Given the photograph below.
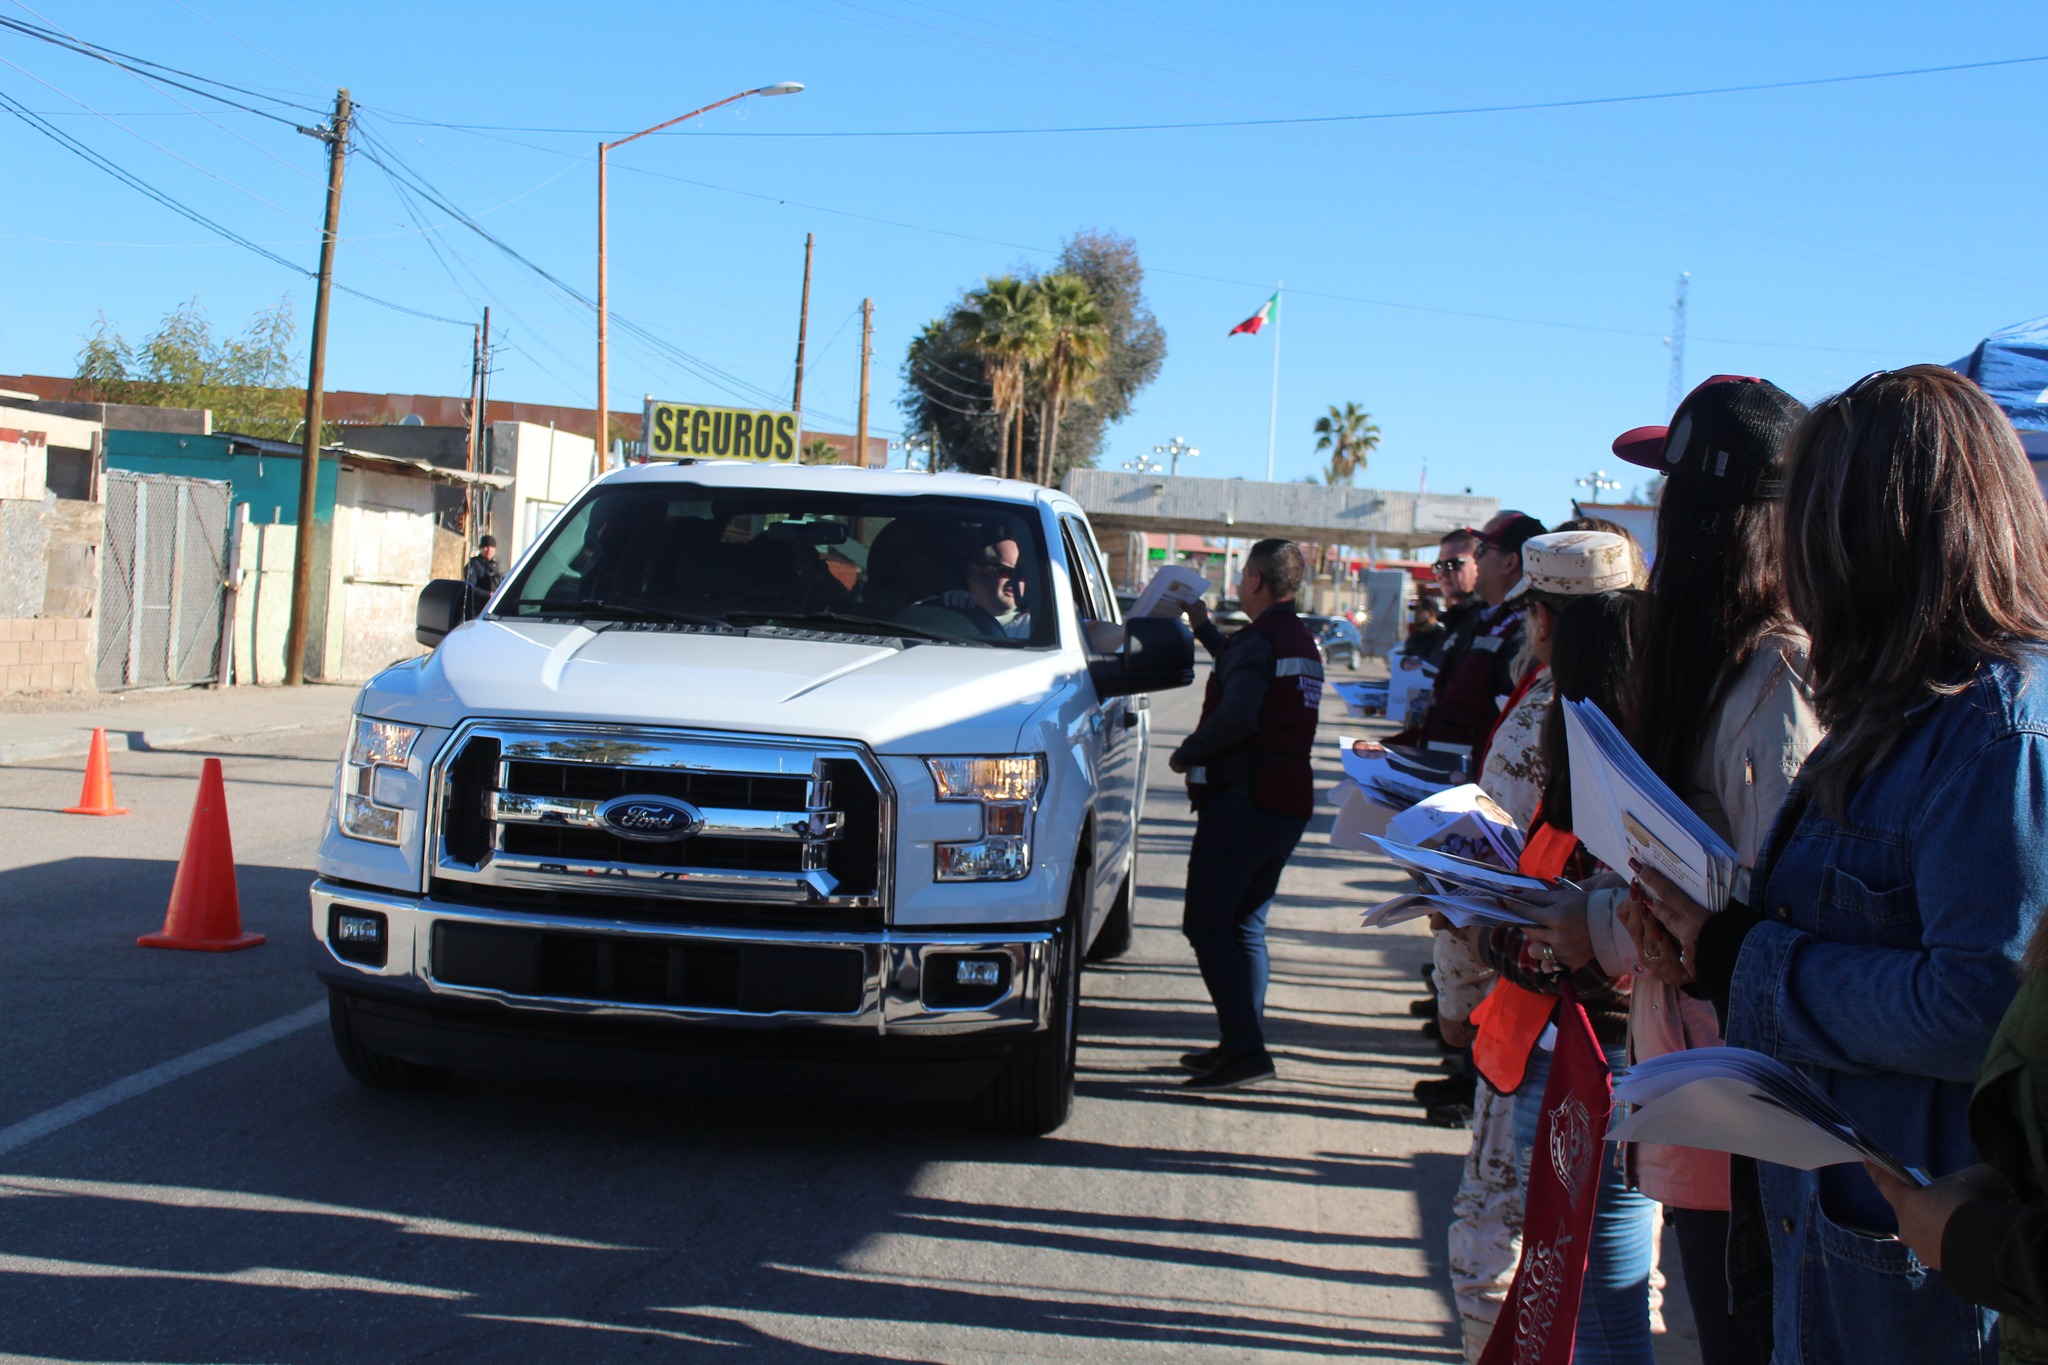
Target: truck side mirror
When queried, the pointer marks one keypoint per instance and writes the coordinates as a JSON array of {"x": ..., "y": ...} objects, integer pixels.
[
  {"x": 445, "y": 604},
  {"x": 1158, "y": 653}
]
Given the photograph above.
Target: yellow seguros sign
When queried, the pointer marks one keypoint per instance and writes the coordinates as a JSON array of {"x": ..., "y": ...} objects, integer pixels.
[{"x": 690, "y": 431}]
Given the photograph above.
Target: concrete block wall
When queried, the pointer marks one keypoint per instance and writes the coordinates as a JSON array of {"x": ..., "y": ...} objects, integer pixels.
[{"x": 42, "y": 654}]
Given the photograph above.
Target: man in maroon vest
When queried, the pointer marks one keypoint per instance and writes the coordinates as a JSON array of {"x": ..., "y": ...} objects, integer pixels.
[
  {"x": 1249, "y": 779},
  {"x": 1471, "y": 687}
]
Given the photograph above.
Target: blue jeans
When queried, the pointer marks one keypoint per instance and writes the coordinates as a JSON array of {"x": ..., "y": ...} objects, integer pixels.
[
  {"x": 1251, "y": 932},
  {"x": 1614, "y": 1309},
  {"x": 1234, "y": 867}
]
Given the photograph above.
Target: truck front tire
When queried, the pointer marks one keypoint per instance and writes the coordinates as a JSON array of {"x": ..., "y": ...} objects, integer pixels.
[
  {"x": 1113, "y": 940},
  {"x": 1034, "y": 1092},
  {"x": 376, "y": 1069}
]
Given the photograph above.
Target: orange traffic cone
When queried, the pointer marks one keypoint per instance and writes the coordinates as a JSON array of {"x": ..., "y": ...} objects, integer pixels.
[
  {"x": 97, "y": 796},
  {"x": 205, "y": 912}
]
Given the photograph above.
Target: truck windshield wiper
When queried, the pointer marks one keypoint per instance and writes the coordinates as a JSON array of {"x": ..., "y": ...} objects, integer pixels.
[
  {"x": 620, "y": 606},
  {"x": 841, "y": 618}
]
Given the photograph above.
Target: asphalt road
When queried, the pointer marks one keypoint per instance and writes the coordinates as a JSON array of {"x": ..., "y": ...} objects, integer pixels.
[{"x": 260, "y": 1206}]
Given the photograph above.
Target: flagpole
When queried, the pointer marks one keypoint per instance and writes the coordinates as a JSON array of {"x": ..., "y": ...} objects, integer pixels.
[{"x": 1273, "y": 420}]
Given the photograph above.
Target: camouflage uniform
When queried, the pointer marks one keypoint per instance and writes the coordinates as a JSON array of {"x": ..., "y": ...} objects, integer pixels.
[
  {"x": 1486, "y": 1214},
  {"x": 1486, "y": 1218}
]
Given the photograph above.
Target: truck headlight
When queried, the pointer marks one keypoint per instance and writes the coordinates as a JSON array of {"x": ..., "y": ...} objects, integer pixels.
[
  {"x": 378, "y": 784},
  {"x": 1006, "y": 788}
]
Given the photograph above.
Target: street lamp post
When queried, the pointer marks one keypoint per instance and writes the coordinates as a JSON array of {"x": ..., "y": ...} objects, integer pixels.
[
  {"x": 1173, "y": 451},
  {"x": 604, "y": 365},
  {"x": 1597, "y": 483}
]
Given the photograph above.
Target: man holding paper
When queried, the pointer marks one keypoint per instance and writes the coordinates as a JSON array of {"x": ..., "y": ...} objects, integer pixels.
[{"x": 1250, "y": 782}]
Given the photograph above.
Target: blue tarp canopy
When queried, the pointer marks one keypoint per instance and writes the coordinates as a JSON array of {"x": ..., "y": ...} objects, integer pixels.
[{"x": 2012, "y": 366}]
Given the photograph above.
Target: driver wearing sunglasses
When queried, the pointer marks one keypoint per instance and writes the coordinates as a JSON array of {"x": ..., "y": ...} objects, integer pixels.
[{"x": 995, "y": 591}]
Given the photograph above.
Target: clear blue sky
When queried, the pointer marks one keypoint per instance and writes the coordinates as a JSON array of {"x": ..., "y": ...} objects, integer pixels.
[{"x": 1828, "y": 230}]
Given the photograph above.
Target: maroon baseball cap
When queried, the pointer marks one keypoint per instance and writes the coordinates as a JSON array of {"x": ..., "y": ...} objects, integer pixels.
[
  {"x": 1726, "y": 434},
  {"x": 1512, "y": 533}
]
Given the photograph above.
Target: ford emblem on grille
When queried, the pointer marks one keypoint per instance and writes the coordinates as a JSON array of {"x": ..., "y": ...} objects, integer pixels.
[{"x": 651, "y": 819}]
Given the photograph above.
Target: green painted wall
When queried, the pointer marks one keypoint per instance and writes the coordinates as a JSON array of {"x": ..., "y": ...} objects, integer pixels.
[{"x": 268, "y": 483}]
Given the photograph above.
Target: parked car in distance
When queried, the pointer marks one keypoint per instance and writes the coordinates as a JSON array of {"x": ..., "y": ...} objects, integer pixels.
[{"x": 1338, "y": 639}]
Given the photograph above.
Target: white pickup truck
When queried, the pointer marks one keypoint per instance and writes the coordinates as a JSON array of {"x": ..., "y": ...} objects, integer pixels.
[{"x": 812, "y": 778}]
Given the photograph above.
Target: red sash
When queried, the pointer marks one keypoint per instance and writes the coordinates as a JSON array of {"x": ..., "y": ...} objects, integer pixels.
[{"x": 1540, "y": 1319}]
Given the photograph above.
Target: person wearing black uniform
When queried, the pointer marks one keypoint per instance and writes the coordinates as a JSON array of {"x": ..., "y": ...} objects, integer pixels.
[
  {"x": 1478, "y": 672},
  {"x": 1249, "y": 780},
  {"x": 1426, "y": 634},
  {"x": 1457, "y": 574},
  {"x": 482, "y": 573}
]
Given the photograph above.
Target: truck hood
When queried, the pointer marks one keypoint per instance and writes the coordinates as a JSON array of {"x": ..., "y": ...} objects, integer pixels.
[{"x": 927, "y": 698}]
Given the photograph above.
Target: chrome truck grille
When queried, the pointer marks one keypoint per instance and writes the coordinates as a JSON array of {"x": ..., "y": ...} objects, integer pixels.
[{"x": 669, "y": 825}]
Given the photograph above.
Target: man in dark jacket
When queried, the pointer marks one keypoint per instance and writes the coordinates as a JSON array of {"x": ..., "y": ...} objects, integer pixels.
[
  {"x": 1477, "y": 673},
  {"x": 1425, "y": 632},
  {"x": 1250, "y": 781},
  {"x": 1457, "y": 573},
  {"x": 481, "y": 573}
]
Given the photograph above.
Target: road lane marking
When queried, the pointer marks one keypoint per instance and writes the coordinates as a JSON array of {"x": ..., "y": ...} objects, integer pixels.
[
  {"x": 142, "y": 1082},
  {"x": 238, "y": 1201}
]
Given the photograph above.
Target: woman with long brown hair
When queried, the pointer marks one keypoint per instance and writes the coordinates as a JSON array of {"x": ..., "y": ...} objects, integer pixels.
[
  {"x": 1720, "y": 709},
  {"x": 1881, "y": 939}
]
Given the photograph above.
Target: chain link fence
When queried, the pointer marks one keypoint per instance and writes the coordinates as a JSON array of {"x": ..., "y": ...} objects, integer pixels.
[{"x": 162, "y": 581}]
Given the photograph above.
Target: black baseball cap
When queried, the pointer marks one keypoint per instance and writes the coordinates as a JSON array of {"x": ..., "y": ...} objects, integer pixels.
[
  {"x": 1727, "y": 434},
  {"x": 487, "y": 543},
  {"x": 1511, "y": 534}
]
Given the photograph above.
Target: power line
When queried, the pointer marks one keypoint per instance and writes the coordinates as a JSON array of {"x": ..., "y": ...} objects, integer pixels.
[
  {"x": 1533, "y": 106},
  {"x": 383, "y": 155},
  {"x": 130, "y": 63},
  {"x": 185, "y": 211},
  {"x": 1222, "y": 279}
]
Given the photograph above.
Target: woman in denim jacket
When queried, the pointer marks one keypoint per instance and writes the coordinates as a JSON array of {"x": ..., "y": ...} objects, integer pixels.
[{"x": 1901, "y": 880}]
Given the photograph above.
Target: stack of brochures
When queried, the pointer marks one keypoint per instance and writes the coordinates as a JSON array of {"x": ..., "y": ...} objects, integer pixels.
[
  {"x": 1378, "y": 786},
  {"x": 1363, "y": 698},
  {"x": 1463, "y": 821},
  {"x": 1395, "y": 776},
  {"x": 1622, "y": 811},
  {"x": 1461, "y": 911},
  {"x": 1729, "y": 1099},
  {"x": 1464, "y": 890},
  {"x": 1410, "y": 684}
]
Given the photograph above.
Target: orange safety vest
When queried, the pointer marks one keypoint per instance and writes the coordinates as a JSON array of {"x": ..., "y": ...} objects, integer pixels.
[{"x": 1511, "y": 1018}]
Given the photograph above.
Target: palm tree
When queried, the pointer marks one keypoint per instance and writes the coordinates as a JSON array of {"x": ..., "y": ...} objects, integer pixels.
[
  {"x": 1077, "y": 341},
  {"x": 1349, "y": 435},
  {"x": 1005, "y": 324}
]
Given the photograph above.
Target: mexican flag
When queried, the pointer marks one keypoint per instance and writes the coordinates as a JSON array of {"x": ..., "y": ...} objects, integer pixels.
[{"x": 1259, "y": 319}]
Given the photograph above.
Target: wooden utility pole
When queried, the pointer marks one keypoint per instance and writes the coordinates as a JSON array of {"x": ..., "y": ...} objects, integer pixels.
[
  {"x": 867, "y": 351},
  {"x": 476, "y": 379},
  {"x": 803, "y": 325},
  {"x": 604, "y": 355},
  {"x": 479, "y": 381},
  {"x": 335, "y": 135}
]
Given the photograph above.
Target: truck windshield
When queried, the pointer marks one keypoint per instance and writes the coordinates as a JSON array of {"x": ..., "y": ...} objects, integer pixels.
[{"x": 932, "y": 568}]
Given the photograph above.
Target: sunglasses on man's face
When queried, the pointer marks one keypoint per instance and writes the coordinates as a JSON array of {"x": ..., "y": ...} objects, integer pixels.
[{"x": 1451, "y": 565}]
